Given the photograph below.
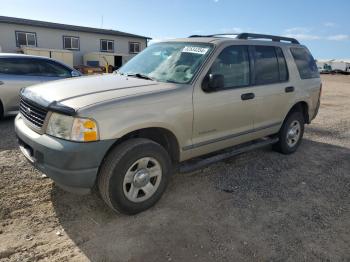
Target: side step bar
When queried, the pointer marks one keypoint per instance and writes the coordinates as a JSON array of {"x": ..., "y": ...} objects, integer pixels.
[{"x": 200, "y": 162}]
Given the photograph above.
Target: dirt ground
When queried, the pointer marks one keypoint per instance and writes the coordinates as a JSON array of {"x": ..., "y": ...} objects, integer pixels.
[{"x": 259, "y": 206}]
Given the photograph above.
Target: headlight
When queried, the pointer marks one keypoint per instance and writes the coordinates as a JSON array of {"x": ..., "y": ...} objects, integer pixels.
[{"x": 72, "y": 128}]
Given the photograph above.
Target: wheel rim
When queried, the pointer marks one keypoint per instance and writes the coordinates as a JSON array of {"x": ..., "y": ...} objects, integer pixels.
[
  {"x": 293, "y": 133},
  {"x": 142, "y": 179}
]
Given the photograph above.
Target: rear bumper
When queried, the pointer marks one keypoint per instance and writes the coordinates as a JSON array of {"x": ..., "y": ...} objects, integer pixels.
[{"x": 72, "y": 165}]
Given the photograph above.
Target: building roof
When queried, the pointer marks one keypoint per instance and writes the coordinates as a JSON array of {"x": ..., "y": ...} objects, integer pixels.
[{"x": 21, "y": 21}]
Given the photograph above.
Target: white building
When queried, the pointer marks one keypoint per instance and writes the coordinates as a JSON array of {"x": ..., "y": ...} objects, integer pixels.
[{"x": 46, "y": 38}]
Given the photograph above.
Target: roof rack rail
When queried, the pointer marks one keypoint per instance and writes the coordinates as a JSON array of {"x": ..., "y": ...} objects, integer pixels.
[
  {"x": 272, "y": 37},
  {"x": 247, "y": 36},
  {"x": 226, "y": 34}
]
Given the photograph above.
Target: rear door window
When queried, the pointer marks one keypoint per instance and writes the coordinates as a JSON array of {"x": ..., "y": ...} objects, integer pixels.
[
  {"x": 52, "y": 69},
  {"x": 282, "y": 65},
  {"x": 305, "y": 63},
  {"x": 266, "y": 65}
]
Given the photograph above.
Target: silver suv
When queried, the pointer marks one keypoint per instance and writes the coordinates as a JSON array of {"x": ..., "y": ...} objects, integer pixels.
[
  {"x": 177, "y": 100},
  {"x": 18, "y": 71}
]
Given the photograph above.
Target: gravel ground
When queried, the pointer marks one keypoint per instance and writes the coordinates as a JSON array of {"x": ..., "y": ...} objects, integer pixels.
[{"x": 259, "y": 206}]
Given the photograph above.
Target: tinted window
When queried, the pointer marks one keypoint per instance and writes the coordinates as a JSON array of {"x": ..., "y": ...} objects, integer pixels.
[
  {"x": 52, "y": 69},
  {"x": 305, "y": 62},
  {"x": 18, "y": 66},
  {"x": 266, "y": 65},
  {"x": 32, "y": 67},
  {"x": 233, "y": 64},
  {"x": 282, "y": 65}
]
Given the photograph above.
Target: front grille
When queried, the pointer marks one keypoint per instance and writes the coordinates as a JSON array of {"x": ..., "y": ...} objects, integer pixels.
[{"x": 32, "y": 113}]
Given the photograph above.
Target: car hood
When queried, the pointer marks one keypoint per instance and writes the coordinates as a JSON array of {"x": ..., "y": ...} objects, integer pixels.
[{"x": 80, "y": 92}]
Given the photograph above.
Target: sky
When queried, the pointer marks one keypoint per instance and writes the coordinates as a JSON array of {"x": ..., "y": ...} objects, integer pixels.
[{"x": 322, "y": 25}]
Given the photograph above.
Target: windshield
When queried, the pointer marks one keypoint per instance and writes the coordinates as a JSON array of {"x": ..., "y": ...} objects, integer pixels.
[{"x": 168, "y": 62}]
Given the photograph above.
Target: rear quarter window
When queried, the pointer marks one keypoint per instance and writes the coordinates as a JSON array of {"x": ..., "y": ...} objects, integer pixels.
[{"x": 305, "y": 63}]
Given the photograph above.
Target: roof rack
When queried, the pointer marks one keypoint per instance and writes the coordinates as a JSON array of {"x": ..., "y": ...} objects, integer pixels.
[
  {"x": 226, "y": 34},
  {"x": 253, "y": 36},
  {"x": 272, "y": 37}
]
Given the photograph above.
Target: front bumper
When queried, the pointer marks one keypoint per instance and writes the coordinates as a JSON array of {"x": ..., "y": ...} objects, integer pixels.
[{"x": 72, "y": 165}]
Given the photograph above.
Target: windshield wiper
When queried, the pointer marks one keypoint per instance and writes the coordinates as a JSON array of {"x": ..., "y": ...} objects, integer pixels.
[{"x": 143, "y": 76}]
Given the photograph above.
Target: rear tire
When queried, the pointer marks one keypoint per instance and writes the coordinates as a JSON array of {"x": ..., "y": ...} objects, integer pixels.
[
  {"x": 291, "y": 133},
  {"x": 134, "y": 175}
]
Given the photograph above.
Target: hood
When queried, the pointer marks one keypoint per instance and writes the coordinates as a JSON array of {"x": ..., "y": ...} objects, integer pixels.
[{"x": 84, "y": 91}]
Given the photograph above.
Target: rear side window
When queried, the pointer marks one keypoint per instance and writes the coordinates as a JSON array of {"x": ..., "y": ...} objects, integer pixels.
[
  {"x": 282, "y": 65},
  {"x": 52, "y": 69},
  {"x": 305, "y": 63},
  {"x": 266, "y": 65}
]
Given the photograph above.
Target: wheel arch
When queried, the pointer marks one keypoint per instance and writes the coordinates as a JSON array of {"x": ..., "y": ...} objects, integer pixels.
[
  {"x": 302, "y": 107},
  {"x": 160, "y": 135}
]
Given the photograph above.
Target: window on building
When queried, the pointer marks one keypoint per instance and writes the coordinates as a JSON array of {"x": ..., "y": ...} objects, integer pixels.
[
  {"x": 134, "y": 47},
  {"x": 25, "y": 38},
  {"x": 233, "y": 64},
  {"x": 71, "y": 42},
  {"x": 305, "y": 62},
  {"x": 107, "y": 45}
]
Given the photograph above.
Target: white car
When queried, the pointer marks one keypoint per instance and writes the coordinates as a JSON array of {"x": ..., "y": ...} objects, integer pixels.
[{"x": 18, "y": 71}]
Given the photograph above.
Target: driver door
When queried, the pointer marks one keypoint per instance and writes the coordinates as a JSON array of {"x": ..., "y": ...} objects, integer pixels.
[{"x": 223, "y": 117}]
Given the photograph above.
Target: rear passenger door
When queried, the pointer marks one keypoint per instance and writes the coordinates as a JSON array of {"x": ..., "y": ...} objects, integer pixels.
[{"x": 274, "y": 93}]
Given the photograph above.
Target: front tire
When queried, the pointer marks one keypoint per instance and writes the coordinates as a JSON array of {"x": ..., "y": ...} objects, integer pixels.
[
  {"x": 134, "y": 175},
  {"x": 291, "y": 133}
]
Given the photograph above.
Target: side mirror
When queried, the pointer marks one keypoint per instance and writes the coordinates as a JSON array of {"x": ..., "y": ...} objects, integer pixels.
[
  {"x": 212, "y": 82},
  {"x": 75, "y": 74}
]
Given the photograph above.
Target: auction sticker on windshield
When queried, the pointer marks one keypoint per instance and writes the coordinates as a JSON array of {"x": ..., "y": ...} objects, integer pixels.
[{"x": 195, "y": 50}]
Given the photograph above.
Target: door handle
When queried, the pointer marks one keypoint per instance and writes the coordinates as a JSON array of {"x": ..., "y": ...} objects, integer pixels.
[
  {"x": 247, "y": 96},
  {"x": 289, "y": 89},
  {"x": 1, "y": 83}
]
